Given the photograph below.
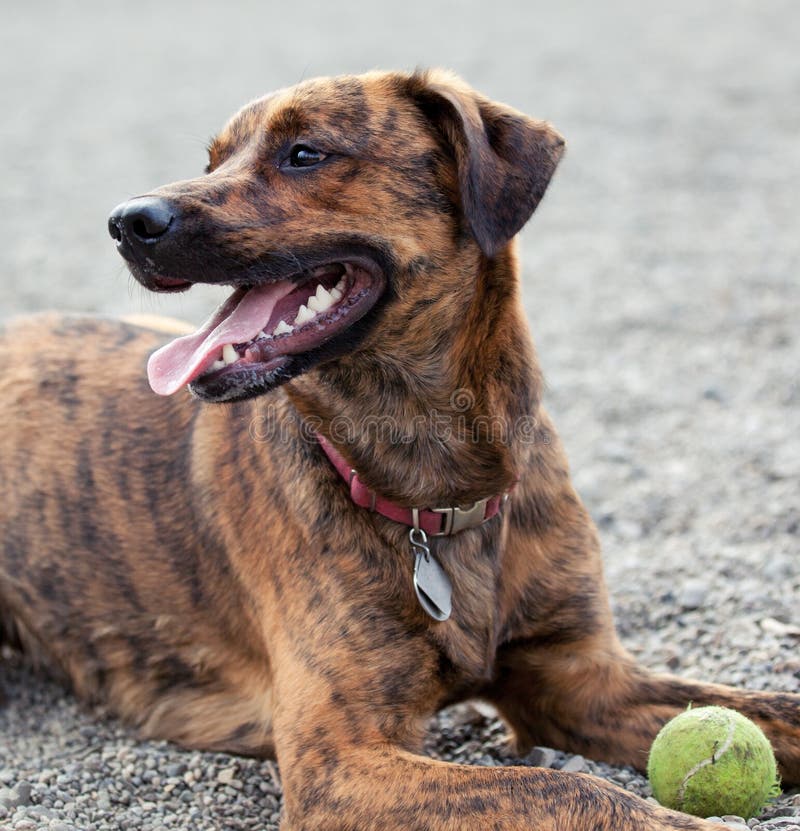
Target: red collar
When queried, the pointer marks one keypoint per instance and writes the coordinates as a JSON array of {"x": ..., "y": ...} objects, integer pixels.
[{"x": 437, "y": 522}]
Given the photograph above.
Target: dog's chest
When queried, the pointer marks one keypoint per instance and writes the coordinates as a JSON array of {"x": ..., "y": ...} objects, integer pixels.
[{"x": 468, "y": 641}]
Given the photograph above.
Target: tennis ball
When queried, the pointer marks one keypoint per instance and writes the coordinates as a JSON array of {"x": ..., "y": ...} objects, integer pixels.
[{"x": 711, "y": 761}]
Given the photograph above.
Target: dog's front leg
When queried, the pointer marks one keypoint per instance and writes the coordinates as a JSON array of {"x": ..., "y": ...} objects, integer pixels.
[
  {"x": 348, "y": 711},
  {"x": 564, "y": 680},
  {"x": 590, "y": 697}
]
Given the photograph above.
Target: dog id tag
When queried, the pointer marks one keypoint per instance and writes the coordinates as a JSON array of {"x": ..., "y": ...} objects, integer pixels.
[{"x": 431, "y": 584}]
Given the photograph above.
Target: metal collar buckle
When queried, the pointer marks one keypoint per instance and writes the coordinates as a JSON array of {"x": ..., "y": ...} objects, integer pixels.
[{"x": 459, "y": 519}]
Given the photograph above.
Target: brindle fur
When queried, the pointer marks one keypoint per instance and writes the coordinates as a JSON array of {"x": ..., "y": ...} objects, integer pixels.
[{"x": 201, "y": 568}]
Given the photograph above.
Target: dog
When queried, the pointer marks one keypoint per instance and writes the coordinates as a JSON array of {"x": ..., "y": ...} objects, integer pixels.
[{"x": 347, "y": 507}]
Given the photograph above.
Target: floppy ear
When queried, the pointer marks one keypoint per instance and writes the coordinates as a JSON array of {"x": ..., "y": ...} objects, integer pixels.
[{"x": 504, "y": 159}]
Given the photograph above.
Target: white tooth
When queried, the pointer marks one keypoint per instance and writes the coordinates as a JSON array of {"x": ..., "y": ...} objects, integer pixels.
[
  {"x": 320, "y": 301},
  {"x": 261, "y": 334},
  {"x": 229, "y": 354},
  {"x": 340, "y": 286},
  {"x": 217, "y": 365},
  {"x": 336, "y": 294},
  {"x": 283, "y": 328},
  {"x": 304, "y": 314},
  {"x": 316, "y": 305}
]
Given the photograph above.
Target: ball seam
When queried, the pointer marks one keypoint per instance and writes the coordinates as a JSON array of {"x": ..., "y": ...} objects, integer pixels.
[{"x": 712, "y": 759}]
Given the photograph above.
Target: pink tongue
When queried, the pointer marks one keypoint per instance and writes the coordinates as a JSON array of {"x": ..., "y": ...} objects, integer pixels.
[{"x": 238, "y": 320}]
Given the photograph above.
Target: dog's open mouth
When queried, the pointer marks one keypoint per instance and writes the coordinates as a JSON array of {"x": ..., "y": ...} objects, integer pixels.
[{"x": 244, "y": 345}]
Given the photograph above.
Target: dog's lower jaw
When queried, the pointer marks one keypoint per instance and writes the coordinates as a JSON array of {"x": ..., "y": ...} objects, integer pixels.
[{"x": 250, "y": 383}]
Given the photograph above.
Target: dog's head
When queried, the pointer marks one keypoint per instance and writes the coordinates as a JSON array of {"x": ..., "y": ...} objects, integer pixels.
[{"x": 322, "y": 205}]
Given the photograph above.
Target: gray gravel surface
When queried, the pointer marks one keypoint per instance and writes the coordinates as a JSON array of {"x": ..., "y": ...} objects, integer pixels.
[{"x": 661, "y": 278}]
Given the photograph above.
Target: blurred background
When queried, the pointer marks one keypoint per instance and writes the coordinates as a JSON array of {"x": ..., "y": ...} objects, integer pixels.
[
  {"x": 661, "y": 276},
  {"x": 682, "y": 121}
]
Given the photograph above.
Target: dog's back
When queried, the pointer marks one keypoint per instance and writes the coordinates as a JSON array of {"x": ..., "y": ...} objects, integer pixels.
[
  {"x": 101, "y": 577},
  {"x": 73, "y": 470}
]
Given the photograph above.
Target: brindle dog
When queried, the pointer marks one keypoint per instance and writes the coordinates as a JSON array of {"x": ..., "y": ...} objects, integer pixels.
[{"x": 202, "y": 568}]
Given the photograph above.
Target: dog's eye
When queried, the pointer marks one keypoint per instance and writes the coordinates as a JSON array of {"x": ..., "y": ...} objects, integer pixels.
[{"x": 302, "y": 155}]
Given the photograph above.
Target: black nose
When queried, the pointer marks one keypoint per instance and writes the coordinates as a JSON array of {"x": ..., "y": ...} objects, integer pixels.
[{"x": 141, "y": 221}]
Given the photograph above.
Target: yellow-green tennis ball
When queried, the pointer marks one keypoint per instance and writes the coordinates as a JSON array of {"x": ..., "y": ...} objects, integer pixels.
[{"x": 711, "y": 761}]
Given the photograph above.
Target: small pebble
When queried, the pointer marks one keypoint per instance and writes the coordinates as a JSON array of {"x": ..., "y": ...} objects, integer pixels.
[
  {"x": 692, "y": 595},
  {"x": 541, "y": 757},
  {"x": 575, "y": 764}
]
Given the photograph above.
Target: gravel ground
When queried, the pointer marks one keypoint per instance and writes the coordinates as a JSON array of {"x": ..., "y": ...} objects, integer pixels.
[{"x": 661, "y": 279}]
